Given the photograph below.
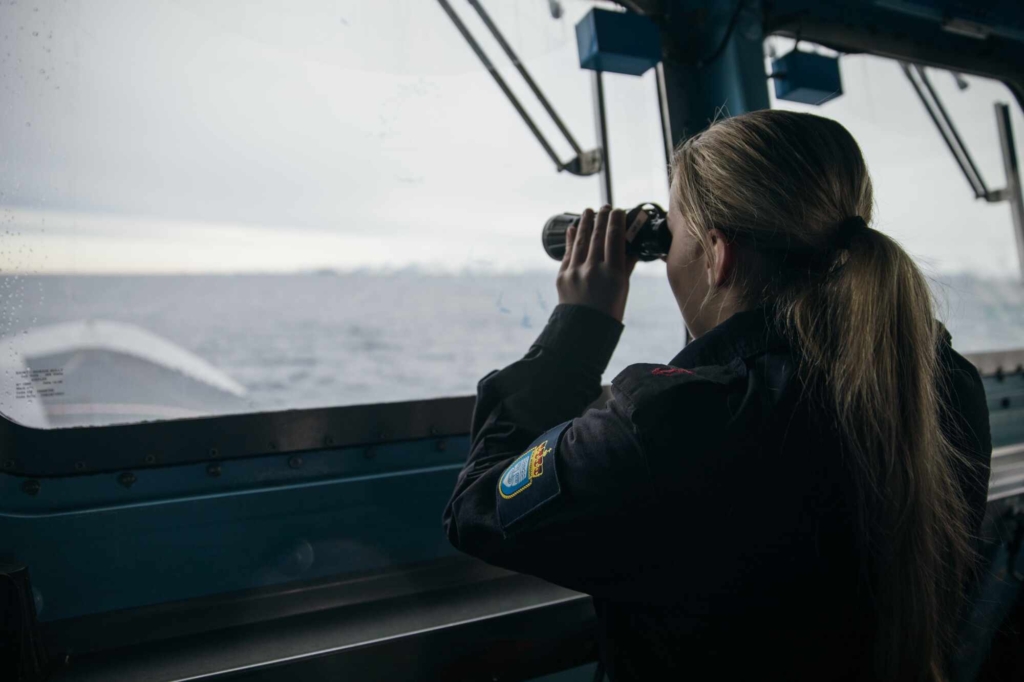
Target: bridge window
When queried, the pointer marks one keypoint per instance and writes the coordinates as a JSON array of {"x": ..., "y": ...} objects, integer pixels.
[
  {"x": 209, "y": 208},
  {"x": 965, "y": 246},
  {"x": 205, "y": 210}
]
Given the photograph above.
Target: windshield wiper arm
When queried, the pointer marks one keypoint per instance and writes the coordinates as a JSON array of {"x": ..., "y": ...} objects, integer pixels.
[
  {"x": 585, "y": 162},
  {"x": 948, "y": 131}
]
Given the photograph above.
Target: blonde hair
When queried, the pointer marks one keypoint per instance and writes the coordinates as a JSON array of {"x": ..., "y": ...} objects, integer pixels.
[{"x": 780, "y": 185}]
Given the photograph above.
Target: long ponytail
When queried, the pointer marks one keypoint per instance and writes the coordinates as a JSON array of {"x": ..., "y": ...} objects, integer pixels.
[
  {"x": 782, "y": 184},
  {"x": 868, "y": 331}
]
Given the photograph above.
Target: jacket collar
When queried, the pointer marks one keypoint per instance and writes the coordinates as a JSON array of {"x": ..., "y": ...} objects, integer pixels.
[{"x": 743, "y": 335}]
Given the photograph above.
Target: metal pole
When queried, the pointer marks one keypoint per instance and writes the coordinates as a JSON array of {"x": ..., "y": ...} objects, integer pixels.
[
  {"x": 1013, "y": 186},
  {"x": 666, "y": 124},
  {"x": 500, "y": 81},
  {"x": 952, "y": 129},
  {"x": 601, "y": 127},
  {"x": 667, "y": 139},
  {"x": 526, "y": 76}
]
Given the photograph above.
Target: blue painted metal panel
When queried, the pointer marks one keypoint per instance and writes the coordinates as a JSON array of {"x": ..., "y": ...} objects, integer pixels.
[
  {"x": 617, "y": 42},
  {"x": 1005, "y": 395},
  {"x": 93, "y": 545},
  {"x": 730, "y": 79},
  {"x": 807, "y": 77},
  {"x": 999, "y": 18}
]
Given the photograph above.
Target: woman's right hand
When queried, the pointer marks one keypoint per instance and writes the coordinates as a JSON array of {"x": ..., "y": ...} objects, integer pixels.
[{"x": 595, "y": 270}]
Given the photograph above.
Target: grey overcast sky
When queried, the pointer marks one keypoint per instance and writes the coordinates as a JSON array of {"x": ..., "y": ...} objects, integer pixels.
[{"x": 193, "y": 136}]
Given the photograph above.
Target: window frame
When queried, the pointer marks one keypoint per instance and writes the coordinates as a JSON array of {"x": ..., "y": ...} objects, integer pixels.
[
  {"x": 35, "y": 453},
  {"x": 42, "y": 453},
  {"x": 896, "y": 35}
]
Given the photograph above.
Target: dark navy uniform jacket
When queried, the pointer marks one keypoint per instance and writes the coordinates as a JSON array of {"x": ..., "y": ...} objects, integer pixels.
[{"x": 706, "y": 508}]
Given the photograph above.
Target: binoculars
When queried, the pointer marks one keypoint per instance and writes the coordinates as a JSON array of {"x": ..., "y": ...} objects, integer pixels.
[{"x": 647, "y": 234}]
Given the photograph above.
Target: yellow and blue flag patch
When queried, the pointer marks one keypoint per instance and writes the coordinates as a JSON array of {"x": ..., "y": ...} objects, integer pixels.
[
  {"x": 520, "y": 474},
  {"x": 531, "y": 480}
]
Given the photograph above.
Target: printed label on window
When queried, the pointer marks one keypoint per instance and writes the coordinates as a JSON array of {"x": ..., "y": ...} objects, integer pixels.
[{"x": 39, "y": 383}]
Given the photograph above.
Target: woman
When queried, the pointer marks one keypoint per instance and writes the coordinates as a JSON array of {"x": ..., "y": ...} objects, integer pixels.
[{"x": 794, "y": 495}]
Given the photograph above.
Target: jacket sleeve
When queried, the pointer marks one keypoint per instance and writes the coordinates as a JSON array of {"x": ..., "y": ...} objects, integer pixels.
[{"x": 547, "y": 490}]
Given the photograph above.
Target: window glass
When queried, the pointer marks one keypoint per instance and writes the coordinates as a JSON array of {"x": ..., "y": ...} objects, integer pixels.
[
  {"x": 965, "y": 245},
  {"x": 217, "y": 207},
  {"x": 221, "y": 207}
]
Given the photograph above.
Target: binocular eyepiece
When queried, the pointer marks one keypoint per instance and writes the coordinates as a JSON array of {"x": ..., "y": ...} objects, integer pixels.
[{"x": 647, "y": 234}]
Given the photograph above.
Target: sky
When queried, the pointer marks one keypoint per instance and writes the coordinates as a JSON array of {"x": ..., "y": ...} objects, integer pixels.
[{"x": 173, "y": 136}]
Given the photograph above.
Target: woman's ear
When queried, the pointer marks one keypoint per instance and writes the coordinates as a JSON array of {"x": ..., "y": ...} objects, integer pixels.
[{"x": 723, "y": 259}]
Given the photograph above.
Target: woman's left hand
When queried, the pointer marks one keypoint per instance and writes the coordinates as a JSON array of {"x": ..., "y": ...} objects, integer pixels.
[{"x": 595, "y": 269}]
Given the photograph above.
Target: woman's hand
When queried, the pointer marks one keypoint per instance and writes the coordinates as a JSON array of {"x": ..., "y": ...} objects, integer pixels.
[{"x": 595, "y": 269}]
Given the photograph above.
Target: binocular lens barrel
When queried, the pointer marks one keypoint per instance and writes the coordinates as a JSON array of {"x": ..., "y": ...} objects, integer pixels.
[
  {"x": 647, "y": 234},
  {"x": 553, "y": 235}
]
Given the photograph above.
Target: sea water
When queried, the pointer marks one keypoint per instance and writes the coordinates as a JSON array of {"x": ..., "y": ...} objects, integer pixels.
[{"x": 328, "y": 339}]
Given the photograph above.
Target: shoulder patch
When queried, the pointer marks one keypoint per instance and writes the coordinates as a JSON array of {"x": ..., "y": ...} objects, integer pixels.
[{"x": 531, "y": 480}]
